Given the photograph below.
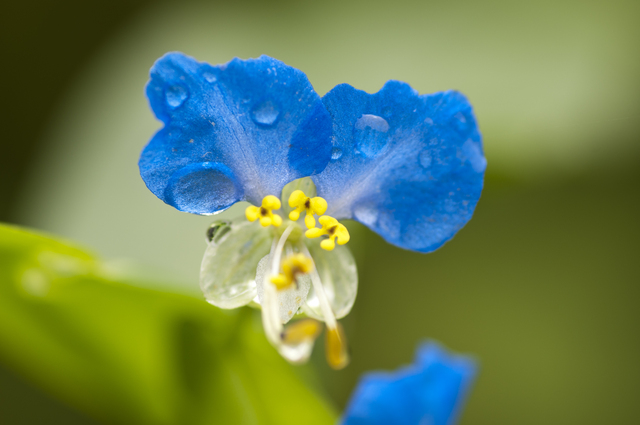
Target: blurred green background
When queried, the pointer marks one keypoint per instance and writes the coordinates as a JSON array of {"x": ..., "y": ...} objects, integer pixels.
[{"x": 542, "y": 285}]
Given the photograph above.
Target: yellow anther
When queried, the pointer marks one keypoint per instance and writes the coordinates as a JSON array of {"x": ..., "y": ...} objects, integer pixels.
[
  {"x": 292, "y": 266},
  {"x": 332, "y": 228},
  {"x": 300, "y": 331},
  {"x": 336, "y": 348},
  {"x": 264, "y": 213},
  {"x": 302, "y": 202}
]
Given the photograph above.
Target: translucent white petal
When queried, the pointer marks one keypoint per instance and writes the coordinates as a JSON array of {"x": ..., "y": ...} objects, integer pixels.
[
  {"x": 298, "y": 353},
  {"x": 290, "y": 299},
  {"x": 227, "y": 274},
  {"x": 270, "y": 320},
  {"x": 339, "y": 275}
]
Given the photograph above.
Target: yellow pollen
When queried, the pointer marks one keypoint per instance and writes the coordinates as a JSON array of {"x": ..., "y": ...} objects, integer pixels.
[
  {"x": 332, "y": 228},
  {"x": 264, "y": 213},
  {"x": 336, "y": 348},
  {"x": 292, "y": 266},
  {"x": 311, "y": 206},
  {"x": 301, "y": 330}
]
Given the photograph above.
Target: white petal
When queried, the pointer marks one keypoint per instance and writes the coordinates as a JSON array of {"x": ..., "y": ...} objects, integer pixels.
[
  {"x": 290, "y": 299},
  {"x": 227, "y": 274},
  {"x": 339, "y": 276}
]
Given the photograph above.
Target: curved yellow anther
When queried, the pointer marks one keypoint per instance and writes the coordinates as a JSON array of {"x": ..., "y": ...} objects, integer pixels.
[
  {"x": 292, "y": 266},
  {"x": 332, "y": 228},
  {"x": 264, "y": 213},
  {"x": 336, "y": 349},
  {"x": 301, "y": 330},
  {"x": 302, "y": 202}
]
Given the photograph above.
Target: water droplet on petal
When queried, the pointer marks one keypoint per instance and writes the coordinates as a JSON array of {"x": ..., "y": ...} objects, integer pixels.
[
  {"x": 176, "y": 95},
  {"x": 370, "y": 134},
  {"x": 203, "y": 188},
  {"x": 336, "y": 154},
  {"x": 209, "y": 77},
  {"x": 425, "y": 159},
  {"x": 374, "y": 122},
  {"x": 265, "y": 113}
]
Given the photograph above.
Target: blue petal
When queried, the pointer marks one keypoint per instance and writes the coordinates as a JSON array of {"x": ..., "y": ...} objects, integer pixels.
[
  {"x": 431, "y": 391},
  {"x": 409, "y": 167},
  {"x": 238, "y": 131}
]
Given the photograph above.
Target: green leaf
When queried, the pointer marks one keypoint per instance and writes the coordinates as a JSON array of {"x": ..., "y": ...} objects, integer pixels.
[{"x": 124, "y": 354}]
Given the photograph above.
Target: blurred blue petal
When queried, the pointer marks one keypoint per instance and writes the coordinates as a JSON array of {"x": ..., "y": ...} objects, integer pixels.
[
  {"x": 409, "y": 167},
  {"x": 431, "y": 391},
  {"x": 238, "y": 131}
]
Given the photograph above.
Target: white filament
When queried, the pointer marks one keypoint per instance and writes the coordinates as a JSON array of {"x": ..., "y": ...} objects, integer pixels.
[
  {"x": 275, "y": 257},
  {"x": 270, "y": 314},
  {"x": 325, "y": 306}
]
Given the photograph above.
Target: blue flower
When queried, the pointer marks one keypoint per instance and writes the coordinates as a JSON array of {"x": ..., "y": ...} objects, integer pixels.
[
  {"x": 409, "y": 167},
  {"x": 431, "y": 391},
  {"x": 233, "y": 132}
]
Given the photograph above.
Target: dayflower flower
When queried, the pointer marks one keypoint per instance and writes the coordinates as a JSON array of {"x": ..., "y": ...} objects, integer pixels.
[
  {"x": 409, "y": 167},
  {"x": 431, "y": 391}
]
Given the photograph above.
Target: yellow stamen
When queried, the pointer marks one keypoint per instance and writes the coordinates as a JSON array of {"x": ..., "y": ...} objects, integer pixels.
[
  {"x": 302, "y": 202},
  {"x": 264, "y": 213},
  {"x": 292, "y": 266},
  {"x": 332, "y": 228},
  {"x": 336, "y": 348},
  {"x": 301, "y": 330}
]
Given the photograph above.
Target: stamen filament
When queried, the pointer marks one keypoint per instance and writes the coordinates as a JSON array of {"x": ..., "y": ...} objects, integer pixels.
[
  {"x": 270, "y": 318},
  {"x": 336, "y": 342},
  {"x": 325, "y": 306},
  {"x": 277, "y": 255}
]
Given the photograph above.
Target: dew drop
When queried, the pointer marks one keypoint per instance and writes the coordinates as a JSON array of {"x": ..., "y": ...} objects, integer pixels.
[
  {"x": 370, "y": 134},
  {"x": 209, "y": 77},
  {"x": 425, "y": 159},
  {"x": 176, "y": 95},
  {"x": 336, "y": 154},
  {"x": 373, "y": 121},
  {"x": 265, "y": 113},
  {"x": 203, "y": 188}
]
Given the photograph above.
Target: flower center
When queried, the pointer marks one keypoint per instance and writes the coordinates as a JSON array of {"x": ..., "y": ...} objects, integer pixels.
[{"x": 295, "y": 340}]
